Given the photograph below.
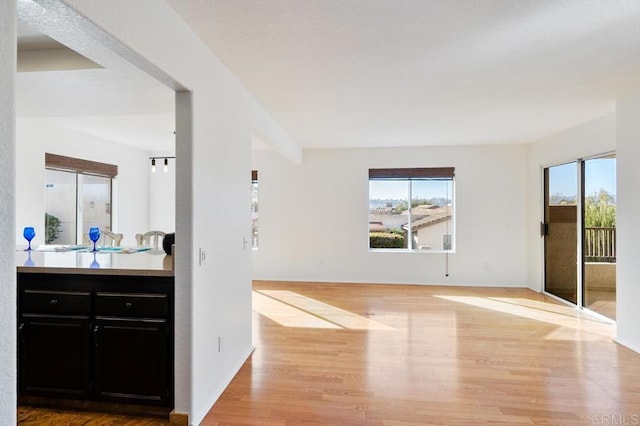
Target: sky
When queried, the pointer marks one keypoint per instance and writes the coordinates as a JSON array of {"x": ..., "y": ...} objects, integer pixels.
[
  {"x": 600, "y": 173},
  {"x": 399, "y": 189}
]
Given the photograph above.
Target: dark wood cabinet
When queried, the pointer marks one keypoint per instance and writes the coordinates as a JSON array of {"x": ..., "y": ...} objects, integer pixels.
[
  {"x": 131, "y": 359},
  {"x": 54, "y": 342},
  {"x": 101, "y": 338},
  {"x": 131, "y": 344},
  {"x": 54, "y": 355}
]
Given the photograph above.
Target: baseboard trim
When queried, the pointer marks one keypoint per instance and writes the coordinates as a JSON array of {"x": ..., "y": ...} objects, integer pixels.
[
  {"x": 627, "y": 345},
  {"x": 197, "y": 419},
  {"x": 178, "y": 419}
]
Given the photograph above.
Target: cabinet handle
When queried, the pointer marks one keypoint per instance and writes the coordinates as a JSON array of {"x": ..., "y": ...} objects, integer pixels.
[
  {"x": 53, "y": 302},
  {"x": 128, "y": 305},
  {"x": 95, "y": 336},
  {"x": 21, "y": 333}
]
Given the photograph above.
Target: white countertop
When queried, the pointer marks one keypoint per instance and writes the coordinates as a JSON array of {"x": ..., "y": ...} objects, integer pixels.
[{"x": 144, "y": 263}]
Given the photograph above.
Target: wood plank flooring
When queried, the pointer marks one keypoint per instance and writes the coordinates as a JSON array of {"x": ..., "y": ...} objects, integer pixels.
[
  {"x": 37, "y": 416},
  {"x": 602, "y": 302},
  {"x": 345, "y": 354}
]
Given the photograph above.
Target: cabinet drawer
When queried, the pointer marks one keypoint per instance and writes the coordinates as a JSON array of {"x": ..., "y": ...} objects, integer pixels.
[
  {"x": 132, "y": 305},
  {"x": 56, "y": 302}
]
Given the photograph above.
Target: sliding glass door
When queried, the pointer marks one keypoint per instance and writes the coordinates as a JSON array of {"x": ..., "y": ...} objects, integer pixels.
[
  {"x": 599, "y": 238},
  {"x": 579, "y": 232},
  {"x": 60, "y": 207},
  {"x": 75, "y": 202},
  {"x": 561, "y": 231},
  {"x": 95, "y": 198}
]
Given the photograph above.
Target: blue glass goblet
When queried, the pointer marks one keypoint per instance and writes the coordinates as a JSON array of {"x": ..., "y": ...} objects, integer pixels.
[
  {"x": 29, "y": 234},
  {"x": 94, "y": 235}
]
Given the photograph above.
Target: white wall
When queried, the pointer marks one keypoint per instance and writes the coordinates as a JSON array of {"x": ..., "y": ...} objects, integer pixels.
[
  {"x": 131, "y": 187},
  {"x": 313, "y": 217},
  {"x": 162, "y": 197},
  {"x": 213, "y": 136},
  {"x": 8, "y": 397},
  {"x": 628, "y": 214},
  {"x": 589, "y": 139}
]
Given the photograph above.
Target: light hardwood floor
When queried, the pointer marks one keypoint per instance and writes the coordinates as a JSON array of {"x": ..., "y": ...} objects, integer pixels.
[
  {"x": 333, "y": 354},
  {"x": 352, "y": 354},
  {"x": 602, "y": 302}
]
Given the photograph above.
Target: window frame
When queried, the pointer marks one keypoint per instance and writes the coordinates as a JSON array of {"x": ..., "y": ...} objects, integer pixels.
[
  {"x": 80, "y": 168},
  {"x": 411, "y": 175}
]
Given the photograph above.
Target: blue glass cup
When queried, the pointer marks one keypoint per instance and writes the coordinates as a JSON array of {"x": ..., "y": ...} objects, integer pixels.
[
  {"x": 94, "y": 235},
  {"x": 29, "y": 234}
]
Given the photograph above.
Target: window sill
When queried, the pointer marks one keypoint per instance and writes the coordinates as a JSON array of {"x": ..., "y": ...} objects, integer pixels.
[{"x": 424, "y": 251}]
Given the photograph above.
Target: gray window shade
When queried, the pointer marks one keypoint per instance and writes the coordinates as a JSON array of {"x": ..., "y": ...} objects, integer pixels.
[{"x": 413, "y": 173}]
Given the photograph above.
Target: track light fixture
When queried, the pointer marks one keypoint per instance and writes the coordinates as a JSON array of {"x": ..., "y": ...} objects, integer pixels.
[{"x": 165, "y": 163}]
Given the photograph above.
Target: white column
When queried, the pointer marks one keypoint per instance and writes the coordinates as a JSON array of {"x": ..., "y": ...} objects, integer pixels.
[
  {"x": 7, "y": 212},
  {"x": 628, "y": 212},
  {"x": 184, "y": 254}
]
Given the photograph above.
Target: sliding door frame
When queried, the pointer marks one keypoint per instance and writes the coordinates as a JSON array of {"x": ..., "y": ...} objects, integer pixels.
[{"x": 580, "y": 263}]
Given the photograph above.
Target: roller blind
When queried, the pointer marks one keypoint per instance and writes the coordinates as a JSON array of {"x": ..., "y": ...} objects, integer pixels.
[
  {"x": 413, "y": 173},
  {"x": 60, "y": 162}
]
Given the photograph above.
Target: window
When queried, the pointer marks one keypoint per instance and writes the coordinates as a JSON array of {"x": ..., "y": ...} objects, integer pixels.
[
  {"x": 254, "y": 209},
  {"x": 77, "y": 197},
  {"x": 412, "y": 209}
]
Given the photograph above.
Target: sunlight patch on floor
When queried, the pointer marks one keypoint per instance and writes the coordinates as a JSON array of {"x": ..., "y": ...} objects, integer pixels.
[
  {"x": 291, "y": 309},
  {"x": 576, "y": 325},
  {"x": 286, "y": 315}
]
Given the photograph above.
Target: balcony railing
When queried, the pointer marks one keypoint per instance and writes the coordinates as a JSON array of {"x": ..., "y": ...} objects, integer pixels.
[{"x": 600, "y": 244}]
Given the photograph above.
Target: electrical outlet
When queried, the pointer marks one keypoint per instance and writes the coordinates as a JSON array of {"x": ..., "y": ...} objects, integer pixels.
[{"x": 202, "y": 256}]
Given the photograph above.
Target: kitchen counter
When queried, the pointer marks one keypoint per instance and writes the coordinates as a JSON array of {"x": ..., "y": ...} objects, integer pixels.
[
  {"x": 95, "y": 330},
  {"x": 144, "y": 263}
]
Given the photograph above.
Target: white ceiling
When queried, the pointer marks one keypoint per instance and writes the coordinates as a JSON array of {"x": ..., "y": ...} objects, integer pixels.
[
  {"x": 377, "y": 73},
  {"x": 115, "y": 105},
  {"x": 30, "y": 38},
  {"x": 361, "y": 73}
]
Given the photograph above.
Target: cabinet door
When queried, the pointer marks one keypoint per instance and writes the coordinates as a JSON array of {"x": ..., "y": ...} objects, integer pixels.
[
  {"x": 54, "y": 355},
  {"x": 131, "y": 360}
]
